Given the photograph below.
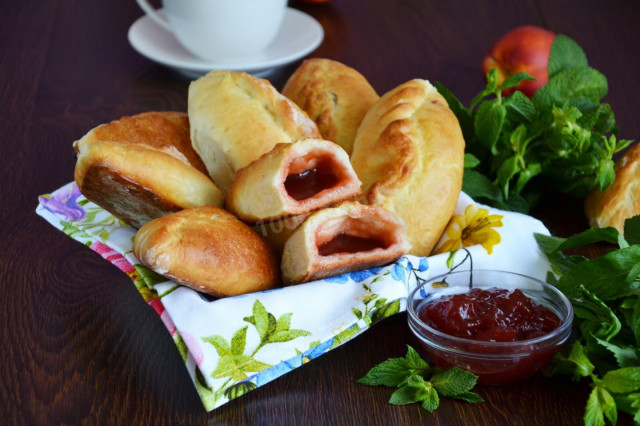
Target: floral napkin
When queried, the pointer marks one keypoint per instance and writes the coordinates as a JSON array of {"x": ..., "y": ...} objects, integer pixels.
[{"x": 233, "y": 345}]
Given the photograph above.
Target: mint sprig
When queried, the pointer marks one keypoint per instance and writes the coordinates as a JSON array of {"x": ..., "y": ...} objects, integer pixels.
[
  {"x": 563, "y": 137},
  {"x": 605, "y": 294},
  {"x": 418, "y": 382}
]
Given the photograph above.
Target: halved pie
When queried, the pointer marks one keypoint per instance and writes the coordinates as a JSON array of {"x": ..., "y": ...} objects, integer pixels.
[
  {"x": 293, "y": 179},
  {"x": 348, "y": 237}
]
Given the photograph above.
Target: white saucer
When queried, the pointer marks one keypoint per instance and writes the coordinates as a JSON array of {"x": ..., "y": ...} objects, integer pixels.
[{"x": 299, "y": 35}]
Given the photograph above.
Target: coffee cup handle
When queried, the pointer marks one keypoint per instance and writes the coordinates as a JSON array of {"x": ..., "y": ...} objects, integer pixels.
[{"x": 153, "y": 14}]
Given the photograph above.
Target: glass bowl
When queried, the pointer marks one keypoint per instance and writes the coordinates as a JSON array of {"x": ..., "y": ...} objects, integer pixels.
[{"x": 495, "y": 362}]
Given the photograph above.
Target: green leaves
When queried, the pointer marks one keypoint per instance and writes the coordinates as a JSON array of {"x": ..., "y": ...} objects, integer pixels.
[
  {"x": 395, "y": 371},
  {"x": 410, "y": 375},
  {"x": 565, "y": 54},
  {"x": 605, "y": 294},
  {"x": 454, "y": 382},
  {"x": 562, "y": 137},
  {"x": 488, "y": 124}
]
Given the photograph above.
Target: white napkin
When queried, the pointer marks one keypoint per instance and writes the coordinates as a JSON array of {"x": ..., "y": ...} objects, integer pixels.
[{"x": 233, "y": 345}]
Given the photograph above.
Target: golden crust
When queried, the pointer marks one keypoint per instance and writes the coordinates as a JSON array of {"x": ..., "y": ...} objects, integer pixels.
[
  {"x": 621, "y": 200},
  {"x": 142, "y": 167},
  {"x": 209, "y": 250},
  {"x": 304, "y": 259},
  {"x": 334, "y": 95},
  {"x": 409, "y": 155},
  {"x": 166, "y": 131},
  {"x": 261, "y": 190},
  {"x": 236, "y": 117}
]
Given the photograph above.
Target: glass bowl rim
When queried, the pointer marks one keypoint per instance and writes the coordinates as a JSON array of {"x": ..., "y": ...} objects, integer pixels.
[{"x": 561, "y": 330}]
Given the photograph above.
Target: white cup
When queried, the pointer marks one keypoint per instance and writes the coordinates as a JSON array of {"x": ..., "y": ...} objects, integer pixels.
[{"x": 221, "y": 30}]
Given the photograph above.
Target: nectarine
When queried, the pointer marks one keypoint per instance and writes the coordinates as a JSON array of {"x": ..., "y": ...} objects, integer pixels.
[{"x": 523, "y": 49}]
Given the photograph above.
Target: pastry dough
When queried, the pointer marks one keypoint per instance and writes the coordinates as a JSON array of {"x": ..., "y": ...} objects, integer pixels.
[
  {"x": 293, "y": 179},
  {"x": 142, "y": 167},
  {"x": 334, "y": 95},
  {"x": 236, "y": 117},
  {"x": 277, "y": 233},
  {"x": 409, "y": 155},
  {"x": 621, "y": 200},
  {"x": 349, "y": 237},
  {"x": 209, "y": 250}
]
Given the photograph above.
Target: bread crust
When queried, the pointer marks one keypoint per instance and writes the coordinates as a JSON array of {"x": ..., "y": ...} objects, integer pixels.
[
  {"x": 334, "y": 95},
  {"x": 409, "y": 155},
  {"x": 259, "y": 192},
  {"x": 209, "y": 250},
  {"x": 142, "y": 167},
  {"x": 301, "y": 257},
  {"x": 621, "y": 200},
  {"x": 236, "y": 117}
]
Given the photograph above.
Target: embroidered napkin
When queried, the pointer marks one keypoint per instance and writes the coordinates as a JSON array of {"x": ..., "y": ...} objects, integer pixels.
[{"x": 233, "y": 345}]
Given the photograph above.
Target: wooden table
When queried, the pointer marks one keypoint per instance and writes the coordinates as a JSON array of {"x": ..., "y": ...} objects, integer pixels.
[{"x": 79, "y": 345}]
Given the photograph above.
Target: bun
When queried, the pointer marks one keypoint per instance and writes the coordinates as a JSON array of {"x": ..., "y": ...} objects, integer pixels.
[
  {"x": 209, "y": 250},
  {"x": 236, "y": 118},
  {"x": 293, "y": 179},
  {"x": 277, "y": 233},
  {"x": 409, "y": 155},
  {"x": 142, "y": 167},
  {"x": 334, "y": 95},
  {"x": 621, "y": 200},
  {"x": 345, "y": 238}
]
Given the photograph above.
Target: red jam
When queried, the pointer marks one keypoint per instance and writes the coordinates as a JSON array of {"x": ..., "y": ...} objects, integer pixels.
[
  {"x": 309, "y": 182},
  {"x": 492, "y": 315},
  {"x": 345, "y": 243}
]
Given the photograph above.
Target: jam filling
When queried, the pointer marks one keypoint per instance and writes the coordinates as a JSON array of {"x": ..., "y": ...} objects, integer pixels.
[
  {"x": 345, "y": 243},
  {"x": 311, "y": 181},
  {"x": 496, "y": 315}
]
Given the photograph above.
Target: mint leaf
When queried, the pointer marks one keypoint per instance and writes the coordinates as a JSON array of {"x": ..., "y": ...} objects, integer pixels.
[
  {"x": 519, "y": 106},
  {"x": 463, "y": 114},
  {"x": 408, "y": 394},
  {"x": 415, "y": 361},
  {"x": 565, "y": 54},
  {"x": 454, "y": 381},
  {"x": 389, "y": 373},
  {"x": 572, "y": 83},
  {"x": 490, "y": 89},
  {"x": 630, "y": 308},
  {"x": 432, "y": 401},
  {"x": 629, "y": 403},
  {"x": 471, "y": 397},
  {"x": 623, "y": 380},
  {"x": 632, "y": 230},
  {"x": 470, "y": 161},
  {"x": 478, "y": 186},
  {"x": 594, "y": 235},
  {"x": 606, "y": 276},
  {"x": 488, "y": 123},
  {"x": 626, "y": 356},
  {"x": 608, "y": 405},
  {"x": 599, "y": 404},
  {"x": 396, "y": 371},
  {"x": 515, "y": 79},
  {"x": 583, "y": 367},
  {"x": 599, "y": 320}
]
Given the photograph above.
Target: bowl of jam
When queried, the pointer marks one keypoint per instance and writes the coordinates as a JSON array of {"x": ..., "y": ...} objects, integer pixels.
[{"x": 501, "y": 326}]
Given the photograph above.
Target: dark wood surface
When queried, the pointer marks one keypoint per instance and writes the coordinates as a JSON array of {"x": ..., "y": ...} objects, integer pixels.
[{"x": 79, "y": 345}]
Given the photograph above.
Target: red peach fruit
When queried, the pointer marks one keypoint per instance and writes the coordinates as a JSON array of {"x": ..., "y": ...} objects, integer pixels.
[{"x": 523, "y": 49}]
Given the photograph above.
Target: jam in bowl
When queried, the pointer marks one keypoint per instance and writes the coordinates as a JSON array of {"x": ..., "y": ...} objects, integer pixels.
[{"x": 501, "y": 326}]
